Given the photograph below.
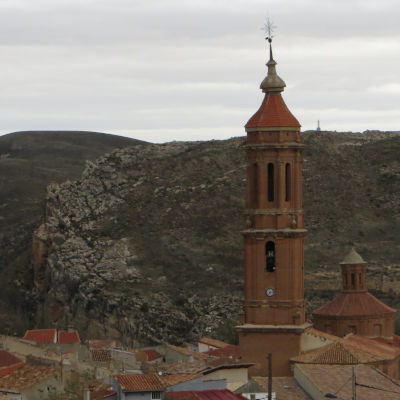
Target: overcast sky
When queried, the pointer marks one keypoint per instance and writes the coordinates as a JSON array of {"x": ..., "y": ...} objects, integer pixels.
[{"x": 163, "y": 70}]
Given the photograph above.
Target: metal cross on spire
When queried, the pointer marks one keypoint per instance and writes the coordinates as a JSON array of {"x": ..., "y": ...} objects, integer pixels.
[{"x": 269, "y": 28}]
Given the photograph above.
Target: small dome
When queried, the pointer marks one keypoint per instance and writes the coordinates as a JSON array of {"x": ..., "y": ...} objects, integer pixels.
[{"x": 353, "y": 258}]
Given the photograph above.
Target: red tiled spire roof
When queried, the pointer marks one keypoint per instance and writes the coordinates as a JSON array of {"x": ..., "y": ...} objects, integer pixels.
[
  {"x": 42, "y": 335},
  {"x": 354, "y": 304},
  {"x": 273, "y": 113}
]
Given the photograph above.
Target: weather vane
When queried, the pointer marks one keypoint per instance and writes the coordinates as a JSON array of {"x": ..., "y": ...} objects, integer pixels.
[{"x": 269, "y": 28}]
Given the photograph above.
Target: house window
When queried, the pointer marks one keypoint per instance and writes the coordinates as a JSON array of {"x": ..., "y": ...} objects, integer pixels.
[
  {"x": 156, "y": 395},
  {"x": 270, "y": 256},
  {"x": 271, "y": 184},
  {"x": 288, "y": 182},
  {"x": 353, "y": 280}
]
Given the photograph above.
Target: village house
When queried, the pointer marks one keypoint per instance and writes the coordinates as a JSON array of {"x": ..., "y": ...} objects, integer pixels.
[{"x": 31, "y": 382}]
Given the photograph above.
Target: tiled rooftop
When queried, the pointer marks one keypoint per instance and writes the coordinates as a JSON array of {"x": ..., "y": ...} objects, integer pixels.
[
  {"x": 224, "y": 394},
  {"x": 204, "y": 366},
  {"x": 341, "y": 352},
  {"x": 273, "y": 112},
  {"x": 42, "y": 335},
  {"x": 100, "y": 393},
  {"x": 7, "y": 359},
  {"x": 100, "y": 355},
  {"x": 174, "y": 379},
  {"x": 136, "y": 382},
  {"x": 372, "y": 384},
  {"x": 213, "y": 342},
  {"x": 25, "y": 377},
  {"x": 186, "y": 367},
  {"x": 151, "y": 354},
  {"x": 322, "y": 335},
  {"x": 183, "y": 350},
  {"x": 354, "y": 304},
  {"x": 385, "y": 349},
  {"x": 285, "y": 388},
  {"x": 227, "y": 351},
  {"x": 68, "y": 337},
  {"x": 104, "y": 343}
]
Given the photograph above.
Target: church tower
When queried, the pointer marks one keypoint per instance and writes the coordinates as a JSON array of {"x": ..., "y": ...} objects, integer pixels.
[{"x": 274, "y": 307}]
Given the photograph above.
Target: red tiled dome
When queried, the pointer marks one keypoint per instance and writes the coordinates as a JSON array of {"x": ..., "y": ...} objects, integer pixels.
[{"x": 354, "y": 304}]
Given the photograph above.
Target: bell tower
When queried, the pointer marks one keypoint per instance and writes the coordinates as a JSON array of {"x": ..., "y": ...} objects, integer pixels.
[{"x": 274, "y": 308}]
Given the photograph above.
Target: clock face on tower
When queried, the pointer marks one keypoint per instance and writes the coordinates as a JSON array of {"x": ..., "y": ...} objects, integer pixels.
[{"x": 270, "y": 292}]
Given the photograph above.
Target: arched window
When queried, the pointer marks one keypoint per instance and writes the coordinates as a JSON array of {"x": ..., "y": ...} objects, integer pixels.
[
  {"x": 353, "y": 280},
  {"x": 270, "y": 256},
  {"x": 271, "y": 183},
  {"x": 287, "y": 182},
  {"x": 255, "y": 184}
]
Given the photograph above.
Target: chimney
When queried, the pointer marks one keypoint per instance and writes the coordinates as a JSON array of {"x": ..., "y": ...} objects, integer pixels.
[{"x": 86, "y": 394}]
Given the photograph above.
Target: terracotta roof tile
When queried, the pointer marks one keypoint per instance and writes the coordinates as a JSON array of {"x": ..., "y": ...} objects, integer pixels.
[
  {"x": 25, "y": 377},
  {"x": 273, "y": 112},
  {"x": 385, "y": 349},
  {"x": 223, "y": 394},
  {"x": 104, "y": 343},
  {"x": 42, "y": 335},
  {"x": 66, "y": 337},
  {"x": 151, "y": 354},
  {"x": 354, "y": 304},
  {"x": 9, "y": 363},
  {"x": 323, "y": 335},
  {"x": 7, "y": 359},
  {"x": 100, "y": 393},
  {"x": 372, "y": 384},
  {"x": 101, "y": 355},
  {"x": 186, "y": 367},
  {"x": 284, "y": 387},
  {"x": 213, "y": 342},
  {"x": 341, "y": 352},
  {"x": 139, "y": 383},
  {"x": 174, "y": 379},
  {"x": 227, "y": 351},
  {"x": 183, "y": 350}
]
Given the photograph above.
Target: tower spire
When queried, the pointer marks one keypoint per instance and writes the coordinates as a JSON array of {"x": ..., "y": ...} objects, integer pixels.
[{"x": 272, "y": 82}]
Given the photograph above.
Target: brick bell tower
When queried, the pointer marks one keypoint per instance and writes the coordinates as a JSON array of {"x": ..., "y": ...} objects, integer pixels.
[{"x": 273, "y": 316}]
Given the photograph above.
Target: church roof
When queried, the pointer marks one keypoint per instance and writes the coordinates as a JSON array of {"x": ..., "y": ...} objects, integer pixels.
[
  {"x": 273, "y": 112},
  {"x": 353, "y": 258},
  {"x": 342, "y": 352},
  {"x": 354, "y": 304}
]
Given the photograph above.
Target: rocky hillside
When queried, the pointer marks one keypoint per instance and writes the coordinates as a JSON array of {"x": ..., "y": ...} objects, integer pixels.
[
  {"x": 29, "y": 161},
  {"x": 146, "y": 244}
]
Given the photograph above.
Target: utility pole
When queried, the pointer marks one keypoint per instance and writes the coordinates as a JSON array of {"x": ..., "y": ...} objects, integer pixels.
[
  {"x": 354, "y": 384},
  {"x": 269, "y": 376}
]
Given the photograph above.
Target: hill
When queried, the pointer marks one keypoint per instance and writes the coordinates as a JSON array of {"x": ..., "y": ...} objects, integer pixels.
[
  {"x": 146, "y": 245},
  {"x": 29, "y": 161}
]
